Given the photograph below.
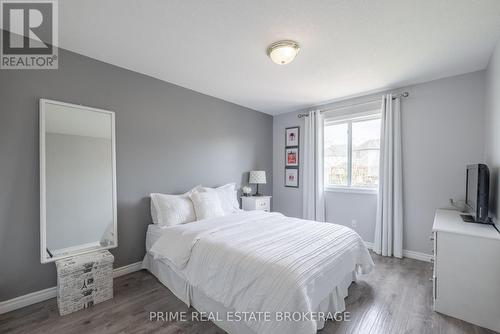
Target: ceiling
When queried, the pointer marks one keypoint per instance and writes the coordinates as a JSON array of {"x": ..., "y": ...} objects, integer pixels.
[{"x": 348, "y": 47}]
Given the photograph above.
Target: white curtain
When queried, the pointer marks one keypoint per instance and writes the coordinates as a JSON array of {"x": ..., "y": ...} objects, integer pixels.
[
  {"x": 313, "y": 188},
  {"x": 389, "y": 224}
]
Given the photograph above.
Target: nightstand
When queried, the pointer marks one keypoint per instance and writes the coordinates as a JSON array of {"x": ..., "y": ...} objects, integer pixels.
[{"x": 249, "y": 203}]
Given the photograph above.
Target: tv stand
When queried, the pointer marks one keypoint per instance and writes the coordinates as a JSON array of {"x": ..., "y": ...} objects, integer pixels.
[{"x": 466, "y": 270}]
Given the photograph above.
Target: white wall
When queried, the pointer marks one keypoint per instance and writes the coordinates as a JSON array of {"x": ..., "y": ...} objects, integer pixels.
[
  {"x": 443, "y": 124},
  {"x": 492, "y": 127}
]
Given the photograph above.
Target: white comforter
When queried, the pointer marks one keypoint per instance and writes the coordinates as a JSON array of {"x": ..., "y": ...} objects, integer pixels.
[{"x": 264, "y": 262}]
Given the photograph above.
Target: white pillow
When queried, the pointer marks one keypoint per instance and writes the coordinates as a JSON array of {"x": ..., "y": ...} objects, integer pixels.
[
  {"x": 206, "y": 205},
  {"x": 169, "y": 210},
  {"x": 227, "y": 196}
]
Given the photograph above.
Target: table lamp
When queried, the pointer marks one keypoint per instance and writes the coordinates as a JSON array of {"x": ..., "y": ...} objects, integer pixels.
[{"x": 257, "y": 177}]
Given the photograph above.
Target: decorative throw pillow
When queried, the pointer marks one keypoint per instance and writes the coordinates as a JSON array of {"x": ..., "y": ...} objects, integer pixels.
[
  {"x": 169, "y": 210},
  {"x": 206, "y": 205},
  {"x": 227, "y": 196}
]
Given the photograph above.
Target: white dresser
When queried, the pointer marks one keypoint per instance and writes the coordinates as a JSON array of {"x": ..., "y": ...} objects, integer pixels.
[
  {"x": 249, "y": 203},
  {"x": 466, "y": 270}
]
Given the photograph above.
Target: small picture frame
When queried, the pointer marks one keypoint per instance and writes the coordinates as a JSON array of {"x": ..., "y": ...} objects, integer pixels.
[
  {"x": 292, "y": 136},
  {"x": 292, "y": 157},
  {"x": 292, "y": 177}
]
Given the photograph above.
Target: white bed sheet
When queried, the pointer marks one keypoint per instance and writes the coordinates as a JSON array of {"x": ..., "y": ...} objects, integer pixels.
[
  {"x": 325, "y": 293},
  {"x": 176, "y": 282}
]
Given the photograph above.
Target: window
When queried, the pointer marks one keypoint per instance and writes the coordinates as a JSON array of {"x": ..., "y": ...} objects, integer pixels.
[{"x": 351, "y": 152}]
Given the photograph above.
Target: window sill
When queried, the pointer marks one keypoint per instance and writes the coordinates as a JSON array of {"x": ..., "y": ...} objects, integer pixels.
[{"x": 352, "y": 190}]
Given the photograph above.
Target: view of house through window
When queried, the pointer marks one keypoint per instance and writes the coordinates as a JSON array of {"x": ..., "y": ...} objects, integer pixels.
[{"x": 351, "y": 152}]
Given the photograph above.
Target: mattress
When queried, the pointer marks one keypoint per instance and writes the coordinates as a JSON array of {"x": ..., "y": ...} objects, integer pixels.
[
  {"x": 153, "y": 234},
  {"x": 163, "y": 269}
]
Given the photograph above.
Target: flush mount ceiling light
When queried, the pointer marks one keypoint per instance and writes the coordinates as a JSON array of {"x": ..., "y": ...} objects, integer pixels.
[{"x": 283, "y": 52}]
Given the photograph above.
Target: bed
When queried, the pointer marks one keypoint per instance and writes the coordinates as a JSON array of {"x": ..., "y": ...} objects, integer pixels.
[{"x": 261, "y": 264}]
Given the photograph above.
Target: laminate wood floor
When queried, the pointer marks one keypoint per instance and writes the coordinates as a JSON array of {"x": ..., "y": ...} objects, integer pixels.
[{"x": 395, "y": 298}]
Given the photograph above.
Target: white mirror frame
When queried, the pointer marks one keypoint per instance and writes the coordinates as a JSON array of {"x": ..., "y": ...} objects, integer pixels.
[{"x": 43, "y": 210}]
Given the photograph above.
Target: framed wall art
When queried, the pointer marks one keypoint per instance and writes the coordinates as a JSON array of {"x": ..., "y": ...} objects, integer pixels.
[
  {"x": 292, "y": 136},
  {"x": 292, "y": 177},
  {"x": 292, "y": 157}
]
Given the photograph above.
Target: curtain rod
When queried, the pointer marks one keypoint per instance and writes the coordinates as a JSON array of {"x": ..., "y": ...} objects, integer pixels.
[{"x": 395, "y": 96}]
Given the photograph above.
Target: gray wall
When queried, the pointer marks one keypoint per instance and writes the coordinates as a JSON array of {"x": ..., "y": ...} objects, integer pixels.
[
  {"x": 443, "y": 131},
  {"x": 492, "y": 123},
  {"x": 443, "y": 124},
  {"x": 78, "y": 177},
  {"x": 286, "y": 200},
  {"x": 169, "y": 139},
  {"x": 344, "y": 208}
]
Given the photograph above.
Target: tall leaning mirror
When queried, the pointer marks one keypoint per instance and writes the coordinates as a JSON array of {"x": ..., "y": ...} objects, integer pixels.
[{"x": 77, "y": 180}]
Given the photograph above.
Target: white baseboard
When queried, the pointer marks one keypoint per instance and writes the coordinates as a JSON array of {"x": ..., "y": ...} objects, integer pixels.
[
  {"x": 407, "y": 253},
  {"x": 130, "y": 268},
  {"x": 25, "y": 300},
  {"x": 40, "y": 296},
  {"x": 417, "y": 255}
]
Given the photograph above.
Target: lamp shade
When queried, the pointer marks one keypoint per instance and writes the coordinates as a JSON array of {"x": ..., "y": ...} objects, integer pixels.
[{"x": 257, "y": 177}]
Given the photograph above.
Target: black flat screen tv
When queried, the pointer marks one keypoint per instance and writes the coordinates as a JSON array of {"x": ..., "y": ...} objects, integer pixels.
[{"x": 477, "y": 192}]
